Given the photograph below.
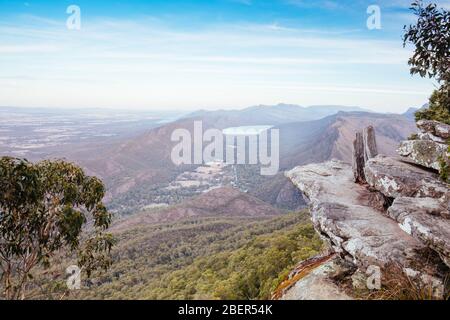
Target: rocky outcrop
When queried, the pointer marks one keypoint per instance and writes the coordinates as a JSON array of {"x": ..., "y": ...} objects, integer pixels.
[
  {"x": 421, "y": 198},
  {"x": 423, "y": 219},
  {"x": 430, "y": 137},
  {"x": 396, "y": 215},
  {"x": 395, "y": 178},
  {"x": 313, "y": 279},
  {"x": 426, "y": 153},
  {"x": 435, "y": 128},
  {"x": 431, "y": 147},
  {"x": 340, "y": 214}
]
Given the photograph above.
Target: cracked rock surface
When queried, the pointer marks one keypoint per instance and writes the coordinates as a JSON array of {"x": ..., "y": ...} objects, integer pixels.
[
  {"x": 394, "y": 178},
  {"x": 340, "y": 213},
  {"x": 426, "y": 153}
]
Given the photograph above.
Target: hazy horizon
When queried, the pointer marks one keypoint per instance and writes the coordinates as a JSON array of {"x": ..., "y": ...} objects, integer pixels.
[
  {"x": 193, "y": 110},
  {"x": 223, "y": 54}
]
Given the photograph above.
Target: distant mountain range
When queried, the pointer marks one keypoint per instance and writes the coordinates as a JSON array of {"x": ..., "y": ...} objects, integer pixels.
[
  {"x": 332, "y": 137},
  {"x": 410, "y": 113},
  {"x": 273, "y": 115},
  {"x": 137, "y": 165},
  {"x": 144, "y": 160}
]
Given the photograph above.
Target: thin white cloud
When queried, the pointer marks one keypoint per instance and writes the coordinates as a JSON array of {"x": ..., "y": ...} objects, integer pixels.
[
  {"x": 29, "y": 49},
  {"x": 146, "y": 64}
]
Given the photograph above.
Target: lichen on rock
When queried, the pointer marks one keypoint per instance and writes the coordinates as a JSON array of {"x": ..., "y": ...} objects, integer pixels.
[
  {"x": 394, "y": 178},
  {"x": 435, "y": 128},
  {"x": 426, "y": 153}
]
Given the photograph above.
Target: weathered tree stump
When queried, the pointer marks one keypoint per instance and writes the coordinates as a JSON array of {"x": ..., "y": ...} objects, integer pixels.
[
  {"x": 364, "y": 148},
  {"x": 370, "y": 143},
  {"x": 358, "y": 160}
]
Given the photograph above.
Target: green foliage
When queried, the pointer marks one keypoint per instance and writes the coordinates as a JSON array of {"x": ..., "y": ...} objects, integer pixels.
[
  {"x": 439, "y": 107},
  {"x": 431, "y": 38},
  {"x": 43, "y": 208},
  {"x": 195, "y": 258},
  {"x": 247, "y": 273}
]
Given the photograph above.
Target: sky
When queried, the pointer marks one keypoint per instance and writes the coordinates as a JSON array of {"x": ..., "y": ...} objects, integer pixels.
[{"x": 215, "y": 54}]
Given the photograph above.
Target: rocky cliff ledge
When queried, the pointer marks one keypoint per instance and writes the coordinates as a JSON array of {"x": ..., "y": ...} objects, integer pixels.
[
  {"x": 395, "y": 214},
  {"x": 430, "y": 148}
]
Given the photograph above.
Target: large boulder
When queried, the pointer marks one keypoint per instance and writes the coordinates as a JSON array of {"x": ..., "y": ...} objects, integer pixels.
[
  {"x": 426, "y": 153},
  {"x": 435, "y": 128},
  {"x": 395, "y": 178},
  {"x": 429, "y": 136},
  {"x": 423, "y": 218}
]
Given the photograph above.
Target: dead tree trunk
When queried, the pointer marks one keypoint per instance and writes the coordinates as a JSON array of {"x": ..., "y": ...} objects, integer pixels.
[
  {"x": 358, "y": 161},
  {"x": 364, "y": 148},
  {"x": 370, "y": 143}
]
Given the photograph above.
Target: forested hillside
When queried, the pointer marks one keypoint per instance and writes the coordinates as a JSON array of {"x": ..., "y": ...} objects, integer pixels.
[{"x": 212, "y": 258}]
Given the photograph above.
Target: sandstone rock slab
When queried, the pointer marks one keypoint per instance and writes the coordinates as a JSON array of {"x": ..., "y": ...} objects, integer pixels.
[
  {"x": 318, "y": 285},
  {"x": 426, "y": 153},
  {"x": 435, "y": 128},
  {"x": 340, "y": 215},
  {"x": 423, "y": 218},
  {"x": 395, "y": 178},
  {"x": 429, "y": 136}
]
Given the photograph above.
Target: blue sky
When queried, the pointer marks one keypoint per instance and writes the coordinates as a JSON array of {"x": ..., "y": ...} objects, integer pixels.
[{"x": 206, "y": 54}]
